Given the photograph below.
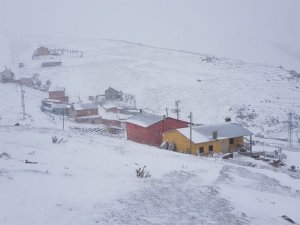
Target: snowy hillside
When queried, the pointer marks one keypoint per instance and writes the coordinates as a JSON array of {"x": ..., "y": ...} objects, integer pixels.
[
  {"x": 91, "y": 179},
  {"x": 259, "y": 96}
]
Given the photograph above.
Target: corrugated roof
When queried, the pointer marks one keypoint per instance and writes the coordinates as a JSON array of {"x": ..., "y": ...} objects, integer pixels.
[
  {"x": 57, "y": 89},
  {"x": 84, "y": 106},
  {"x": 203, "y": 133},
  {"x": 145, "y": 119}
]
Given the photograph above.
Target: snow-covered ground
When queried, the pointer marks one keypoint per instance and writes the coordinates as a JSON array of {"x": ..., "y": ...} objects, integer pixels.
[
  {"x": 90, "y": 179},
  {"x": 259, "y": 96}
]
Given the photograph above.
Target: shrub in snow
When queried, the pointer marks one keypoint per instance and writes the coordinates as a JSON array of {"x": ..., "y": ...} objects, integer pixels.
[
  {"x": 142, "y": 173},
  {"x": 227, "y": 119},
  {"x": 4, "y": 155},
  {"x": 278, "y": 154},
  {"x": 293, "y": 168}
]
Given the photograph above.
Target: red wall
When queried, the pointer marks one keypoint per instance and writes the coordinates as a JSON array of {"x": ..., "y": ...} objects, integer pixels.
[{"x": 152, "y": 135}]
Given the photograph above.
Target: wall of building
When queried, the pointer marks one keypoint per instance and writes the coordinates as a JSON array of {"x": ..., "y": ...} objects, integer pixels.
[
  {"x": 152, "y": 135},
  {"x": 85, "y": 112},
  {"x": 182, "y": 144}
]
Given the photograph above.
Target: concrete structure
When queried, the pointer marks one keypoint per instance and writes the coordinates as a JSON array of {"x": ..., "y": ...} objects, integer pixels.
[
  {"x": 224, "y": 137},
  {"x": 148, "y": 128}
]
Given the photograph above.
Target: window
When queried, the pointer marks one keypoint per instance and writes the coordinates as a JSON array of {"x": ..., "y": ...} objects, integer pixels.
[
  {"x": 231, "y": 141},
  {"x": 211, "y": 148},
  {"x": 201, "y": 150}
]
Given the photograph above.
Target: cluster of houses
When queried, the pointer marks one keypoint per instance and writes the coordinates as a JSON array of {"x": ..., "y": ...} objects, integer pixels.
[
  {"x": 7, "y": 76},
  {"x": 164, "y": 131},
  {"x": 49, "y": 54},
  {"x": 147, "y": 128}
]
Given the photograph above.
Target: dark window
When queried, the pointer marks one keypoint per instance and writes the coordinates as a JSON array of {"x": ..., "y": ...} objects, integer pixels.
[
  {"x": 211, "y": 148},
  {"x": 231, "y": 141},
  {"x": 201, "y": 150}
]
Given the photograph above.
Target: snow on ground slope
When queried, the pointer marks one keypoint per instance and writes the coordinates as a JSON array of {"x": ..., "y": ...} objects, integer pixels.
[
  {"x": 259, "y": 96},
  {"x": 90, "y": 179}
]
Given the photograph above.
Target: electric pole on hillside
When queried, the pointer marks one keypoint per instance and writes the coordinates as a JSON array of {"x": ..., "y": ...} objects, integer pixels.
[
  {"x": 191, "y": 123},
  {"x": 64, "y": 119},
  {"x": 167, "y": 112},
  {"x": 290, "y": 129},
  {"x": 23, "y": 102},
  {"x": 177, "y": 110}
]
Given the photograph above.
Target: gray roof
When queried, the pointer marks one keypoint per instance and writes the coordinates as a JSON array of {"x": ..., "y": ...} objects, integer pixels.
[
  {"x": 203, "y": 133},
  {"x": 145, "y": 119},
  {"x": 84, "y": 106},
  {"x": 57, "y": 89}
]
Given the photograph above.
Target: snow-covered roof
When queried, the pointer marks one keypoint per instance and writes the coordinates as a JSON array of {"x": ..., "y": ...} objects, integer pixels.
[
  {"x": 145, "y": 119},
  {"x": 203, "y": 133},
  {"x": 57, "y": 89},
  {"x": 109, "y": 106},
  {"x": 84, "y": 106}
]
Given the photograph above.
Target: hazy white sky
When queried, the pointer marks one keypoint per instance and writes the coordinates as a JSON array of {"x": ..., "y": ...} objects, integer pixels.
[{"x": 266, "y": 31}]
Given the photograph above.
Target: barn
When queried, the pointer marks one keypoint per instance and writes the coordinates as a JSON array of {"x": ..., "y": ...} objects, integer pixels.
[{"x": 148, "y": 128}]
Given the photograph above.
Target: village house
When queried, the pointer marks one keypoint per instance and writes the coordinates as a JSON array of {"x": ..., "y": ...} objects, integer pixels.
[
  {"x": 85, "y": 113},
  {"x": 148, "y": 128},
  {"x": 41, "y": 51},
  {"x": 224, "y": 137},
  {"x": 112, "y": 94},
  {"x": 55, "y": 106},
  {"x": 7, "y": 76},
  {"x": 58, "y": 93}
]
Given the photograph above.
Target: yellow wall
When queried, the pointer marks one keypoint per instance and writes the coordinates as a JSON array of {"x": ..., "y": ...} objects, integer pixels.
[{"x": 183, "y": 144}]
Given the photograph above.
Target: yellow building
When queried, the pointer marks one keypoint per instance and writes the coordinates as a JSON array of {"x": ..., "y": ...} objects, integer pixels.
[{"x": 225, "y": 137}]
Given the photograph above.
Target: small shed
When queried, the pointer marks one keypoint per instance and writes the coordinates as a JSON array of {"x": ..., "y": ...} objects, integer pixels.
[
  {"x": 148, "y": 128},
  {"x": 41, "y": 51},
  {"x": 7, "y": 76},
  {"x": 215, "y": 138},
  {"x": 51, "y": 64}
]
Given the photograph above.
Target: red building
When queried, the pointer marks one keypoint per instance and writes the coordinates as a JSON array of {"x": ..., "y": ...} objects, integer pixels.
[
  {"x": 58, "y": 93},
  {"x": 148, "y": 128},
  {"x": 84, "y": 110}
]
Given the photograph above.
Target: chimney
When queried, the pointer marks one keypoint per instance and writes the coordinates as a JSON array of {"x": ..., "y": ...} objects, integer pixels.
[{"x": 215, "y": 135}]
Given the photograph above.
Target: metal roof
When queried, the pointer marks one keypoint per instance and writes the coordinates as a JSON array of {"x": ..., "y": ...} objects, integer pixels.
[
  {"x": 57, "y": 89},
  {"x": 84, "y": 106},
  {"x": 203, "y": 133},
  {"x": 145, "y": 119}
]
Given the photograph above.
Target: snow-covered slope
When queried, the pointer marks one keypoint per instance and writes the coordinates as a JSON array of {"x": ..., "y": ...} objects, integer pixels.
[
  {"x": 258, "y": 96},
  {"x": 90, "y": 179}
]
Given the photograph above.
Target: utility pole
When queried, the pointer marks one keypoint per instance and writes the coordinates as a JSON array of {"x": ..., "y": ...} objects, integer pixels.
[
  {"x": 23, "y": 102},
  {"x": 167, "y": 112},
  {"x": 191, "y": 123},
  {"x": 177, "y": 110},
  {"x": 290, "y": 129},
  {"x": 64, "y": 119}
]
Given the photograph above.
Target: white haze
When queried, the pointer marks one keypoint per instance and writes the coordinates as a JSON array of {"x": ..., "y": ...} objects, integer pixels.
[{"x": 264, "y": 31}]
